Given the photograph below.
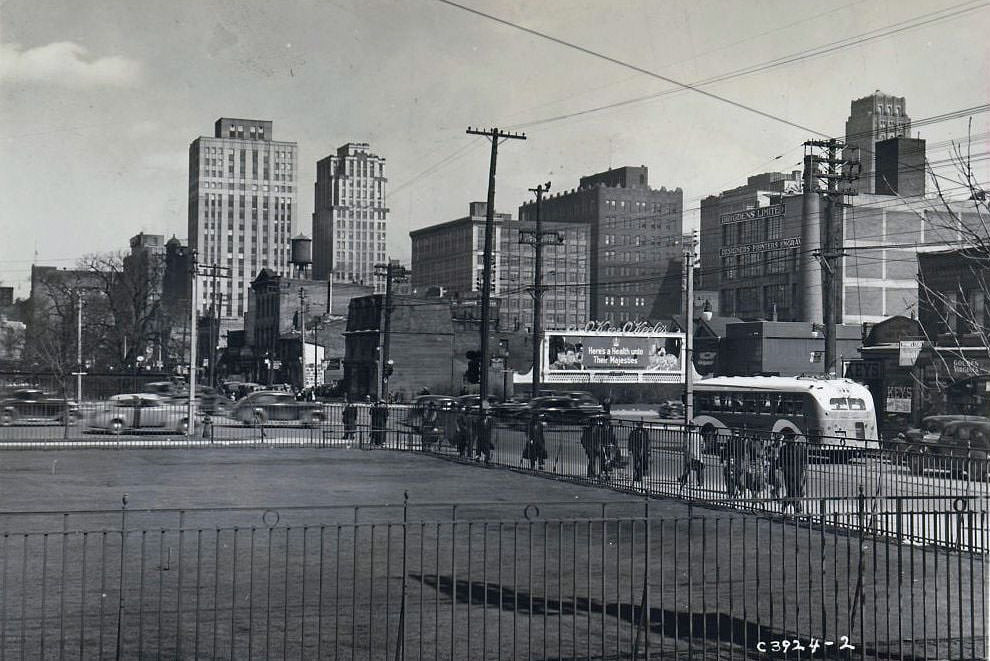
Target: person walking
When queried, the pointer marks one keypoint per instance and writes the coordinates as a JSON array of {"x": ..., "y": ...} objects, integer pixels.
[
  {"x": 693, "y": 459},
  {"x": 772, "y": 458},
  {"x": 794, "y": 462},
  {"x": 349, "y": 418},
  {"x": 379, "y": 421},
  {"x": 638, "y": 445},
  {"x": 536, "y": 449},
  {"x": 734, "y": 461},
  {"x": 428, "y": 430},
  {"x": 600, "y": 448},
  {"x": 484, "y": 436},
  {"x": 589, "y": 441},
  {"x": 462, "y": 433}
]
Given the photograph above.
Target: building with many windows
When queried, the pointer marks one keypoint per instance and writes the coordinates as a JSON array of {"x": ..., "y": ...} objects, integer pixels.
[
  {"x": 350, "y": 216},
  {"x": 634, "y": 235},
  {"x": 751, "y": 246},
  {"x": 449, "y": 257},
  {"x": 242, "y": 201},
  {"x": 874, "y": 118}
]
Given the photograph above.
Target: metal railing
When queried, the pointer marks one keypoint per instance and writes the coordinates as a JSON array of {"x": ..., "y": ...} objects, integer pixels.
[
  {"x": 711, "y": 585},
  {"x": 761, "y": 473}
]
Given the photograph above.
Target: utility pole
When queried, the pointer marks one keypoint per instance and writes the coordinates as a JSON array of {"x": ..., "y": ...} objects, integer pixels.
[
  {"x": 494, "y": 135},
  {"x": 832, "y": 190},
  {"x": 302, "y": 338},
  {"x": 538, "y": 239},
  {"x": 689, "y": 335},
  {"x": 79, "y": 361},
  {"x": 193, "y": 338},
  {"x": 393, "y": 272}
]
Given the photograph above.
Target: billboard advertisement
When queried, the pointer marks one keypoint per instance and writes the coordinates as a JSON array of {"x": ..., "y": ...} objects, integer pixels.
[{"x": 613, "y": 357}]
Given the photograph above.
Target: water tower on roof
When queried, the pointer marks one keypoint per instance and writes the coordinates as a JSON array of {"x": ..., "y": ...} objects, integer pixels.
[{"x": 302, "y": 255}]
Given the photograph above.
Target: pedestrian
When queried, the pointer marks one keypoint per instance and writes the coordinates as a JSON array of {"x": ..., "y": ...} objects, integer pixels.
[
  {"x": 589, "y": 441},
  {"x": 607, "y": 405},
  {"x": 794, "y": 462},
  {"x": 484, "y": 440},
  {"x": 735, "y": 458},
  {"x": 755, "y": 465},
  {"x": 772, "y": 457},
  {"x": 638, "y": 445},
  {"x": 693, "y": 459},
  {"x": 462, "y": 433},
  {"x": 349, "y": 418},
  {"x": 536, "y": 449},
  {"x": 379, "y": 420},
  {"x": 428, "y": 430}
]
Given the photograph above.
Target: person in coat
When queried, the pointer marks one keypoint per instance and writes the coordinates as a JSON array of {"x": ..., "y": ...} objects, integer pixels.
[
  {"x": 379, "y": 422},
  {"x": 484, "y": 436},
  {"x": 536, "y": 449},
  {"x": 794, "y": 466},
  {"x": 428, "y": 430},
  {"x": 638, "y": 445},
  {"x": 462, "y": 433},
  {"x": 349, "y": 418},
  {"x": 693, "y": 459},
  {"x": 590, "y": 449}
]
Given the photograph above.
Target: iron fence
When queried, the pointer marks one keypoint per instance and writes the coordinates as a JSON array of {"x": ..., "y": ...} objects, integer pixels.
[
  {"x": 761, "y": 475},
  {"x": 713, "y": 585}
]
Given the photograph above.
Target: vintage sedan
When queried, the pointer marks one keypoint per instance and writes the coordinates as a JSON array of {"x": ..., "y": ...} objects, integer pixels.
[
  {"x": 565, "y": 410},
  {"x": 31, "y": 405},
  {"x": 962, "y": 449},
  {"x": 272, "y": 406},
  {"x": 140, "y": 412}
]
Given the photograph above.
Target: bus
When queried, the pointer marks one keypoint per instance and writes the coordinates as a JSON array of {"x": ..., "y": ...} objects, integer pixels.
[{"x": 835, "y": 414}]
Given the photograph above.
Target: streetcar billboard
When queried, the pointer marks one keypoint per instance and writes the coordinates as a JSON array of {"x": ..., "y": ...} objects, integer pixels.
[{"x": 613, "y": 356}]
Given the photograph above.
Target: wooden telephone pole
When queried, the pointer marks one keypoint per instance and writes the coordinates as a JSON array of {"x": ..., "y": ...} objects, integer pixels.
[{"x": 495, "y": 135}]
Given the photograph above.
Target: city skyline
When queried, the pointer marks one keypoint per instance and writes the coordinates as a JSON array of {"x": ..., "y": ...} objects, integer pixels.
[{"x": 81, "y": 91}]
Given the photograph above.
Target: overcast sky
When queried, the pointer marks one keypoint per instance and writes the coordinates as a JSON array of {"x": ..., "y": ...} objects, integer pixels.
[{"x": 100, "y": 99}]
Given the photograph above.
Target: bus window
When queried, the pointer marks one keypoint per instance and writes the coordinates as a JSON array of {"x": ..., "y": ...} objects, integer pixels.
[
  {"x": 767, "y": 406},
  {"x": 856, "y": 404},
  {"x": 839, "y": 404}
]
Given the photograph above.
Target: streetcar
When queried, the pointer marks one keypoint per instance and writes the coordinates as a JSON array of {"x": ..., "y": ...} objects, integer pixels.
[{"x": 837, "y": 415}]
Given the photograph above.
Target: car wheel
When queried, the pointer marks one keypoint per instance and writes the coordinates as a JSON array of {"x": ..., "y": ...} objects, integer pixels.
[
  {"x": 116, "y": 427},
  {"x": 7, "y": 418},
  {"x": 182, "y": 427}
]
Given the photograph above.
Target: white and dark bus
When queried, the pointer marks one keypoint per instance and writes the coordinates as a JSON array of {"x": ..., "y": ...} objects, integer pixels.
[{"x": 835, "y": 414}]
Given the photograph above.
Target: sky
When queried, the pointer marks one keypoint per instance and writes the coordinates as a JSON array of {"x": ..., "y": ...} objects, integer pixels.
[{"x": 99, "y": 99}]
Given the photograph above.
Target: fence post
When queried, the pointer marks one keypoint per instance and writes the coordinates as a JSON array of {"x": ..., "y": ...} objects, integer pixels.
[
  {"x": 122, "y": 583},
  {"x": 400, "y": 642},
  {"x": 643, "y": 625}
]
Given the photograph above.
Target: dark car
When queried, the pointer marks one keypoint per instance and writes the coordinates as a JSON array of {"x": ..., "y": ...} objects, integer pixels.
[
  {"x": 472, "y": 401},
  {"x": 565, "y": 410},
  {"x": 210, "y": 401},
  {"x": 672, "y": 409},
  {"x": 266, "y": 406},
  {"x": 962, "y": 449},
  {"x": 31, "y": 405},
  {"x": 511, "y": 408}
]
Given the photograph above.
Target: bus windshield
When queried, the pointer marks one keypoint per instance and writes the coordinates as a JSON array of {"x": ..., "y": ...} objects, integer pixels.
[{"x": 847, "y": 404}]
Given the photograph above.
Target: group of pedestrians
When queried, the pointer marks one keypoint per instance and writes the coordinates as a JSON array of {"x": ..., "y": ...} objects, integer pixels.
[
  {"x": 753, "y": 463},
  {"x": 474, "y": 434}
]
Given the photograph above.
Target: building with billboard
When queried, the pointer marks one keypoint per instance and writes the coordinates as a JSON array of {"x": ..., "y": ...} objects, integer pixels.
[
  {"x": 634, "y": 233},
  {"x": 625, "y": 355}
]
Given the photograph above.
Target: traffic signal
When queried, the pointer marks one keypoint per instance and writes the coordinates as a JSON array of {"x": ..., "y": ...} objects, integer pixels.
[{"x": 473, "y": 373}]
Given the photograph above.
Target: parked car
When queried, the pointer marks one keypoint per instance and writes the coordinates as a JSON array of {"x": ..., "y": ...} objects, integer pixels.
[
  {"x": 962, "y": 449},
  {"x": 141, "y": 412},
  {"x": 472, "y": 401},
  {"x": 565, "y": 410},
  {"x": 30, "y": 404},
  {"x": 671, "y": 409},
  {"x": 932, "y": 426},
  {"x": 266, "y": 406},
  {"x": 511, "y": 408}
]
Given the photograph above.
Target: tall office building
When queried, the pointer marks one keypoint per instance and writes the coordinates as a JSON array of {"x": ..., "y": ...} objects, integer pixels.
[
  {"x": 242, "y": 196},
  {"x": 349, "y": 216},
  {"x": 873, "y": 118}
]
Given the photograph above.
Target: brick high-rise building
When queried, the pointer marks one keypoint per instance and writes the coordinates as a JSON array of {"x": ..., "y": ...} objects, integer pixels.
[
  {"x": 242, "y": 201},
  {"x": 634, "y": 233},
  {"x": 349, "y": 217},
  {"x": 873, "y": 118},
  {"x": 449, "y": 256}
]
